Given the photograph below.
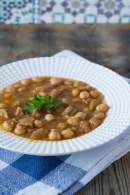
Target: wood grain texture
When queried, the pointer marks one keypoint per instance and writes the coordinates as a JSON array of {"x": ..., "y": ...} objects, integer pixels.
[
  {"x": 108, "y": 45},
  {"x": 115, "y": 180}
]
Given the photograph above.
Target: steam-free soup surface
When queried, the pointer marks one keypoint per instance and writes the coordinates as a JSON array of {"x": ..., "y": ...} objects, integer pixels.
[{"x": 51, "y": 108}]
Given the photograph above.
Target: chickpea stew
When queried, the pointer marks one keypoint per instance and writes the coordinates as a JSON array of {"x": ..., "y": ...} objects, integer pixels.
[{"x": 51, "y": 108}]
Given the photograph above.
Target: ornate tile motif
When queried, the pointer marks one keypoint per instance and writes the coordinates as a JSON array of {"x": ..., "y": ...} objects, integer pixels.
[
  {"x": 16, "y": 11},
  {"x": 64, "y": 11},
  {"x": 47, "y": 6},
  {"x": 74, "y": 7},
  {"x": 109, "y": 8},
  {"x": 85, "y": 11}
]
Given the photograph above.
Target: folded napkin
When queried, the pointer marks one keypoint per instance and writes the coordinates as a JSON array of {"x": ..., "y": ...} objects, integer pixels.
[{"x": 31, "y": 175}]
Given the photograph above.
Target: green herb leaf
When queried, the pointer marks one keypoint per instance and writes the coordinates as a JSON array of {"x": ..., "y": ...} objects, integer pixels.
[
  {"x": 40, "y": 97},
  {"x": 40, "y": 102},
  {"x": 28, "y": 110}
]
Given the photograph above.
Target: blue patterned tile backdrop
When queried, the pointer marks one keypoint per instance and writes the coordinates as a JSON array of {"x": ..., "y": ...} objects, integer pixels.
[{"x": 64, "y": 11}]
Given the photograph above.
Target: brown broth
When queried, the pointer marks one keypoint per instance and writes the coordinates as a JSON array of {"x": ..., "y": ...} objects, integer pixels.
[{"x": 85, "y": 104}]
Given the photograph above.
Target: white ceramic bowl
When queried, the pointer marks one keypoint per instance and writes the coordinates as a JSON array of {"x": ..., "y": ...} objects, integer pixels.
[{"x": 113, "y": 86}]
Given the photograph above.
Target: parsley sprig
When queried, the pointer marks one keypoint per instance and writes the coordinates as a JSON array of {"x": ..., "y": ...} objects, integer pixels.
[{"x": 40, "y": 102}]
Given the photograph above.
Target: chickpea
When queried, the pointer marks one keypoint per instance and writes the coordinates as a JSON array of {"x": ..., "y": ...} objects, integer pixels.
[
  {"x": 14, "y": 120},
  {"x": 37, "y": 79},
  {"x": 74, "y": 129},
  {"x": 26, "y": 81},
  {"x": 87, "y": 129},
  {"x": 99, "y": 115},
  {"x": 94, "y": 93},
  {"x": 75, "y": 92},
  {"x": 85, "y": 126},
  {"x": 88, "y": 87},
  {"x": 67, "y": 133},
  {"x": 82, "y": 88},
  {"x": 35, "y": 135},
  {"x": 94, "y": 122},
  {"x": 87, "y": 101},
  {"x": 54, "y": 93},
  {"x": 3, "y": 114},
  {"x": 61, "y": 126},
  {"x": 86, "y": 109},
  {"x": 43, "y": 132},
  {"x": 19, "y": 130},
  {"x": 84, "y": 95},
  {"x": 81, "y": 115},
  {"x": 68, "y": 82},
  {"x": 8, "y": 101},
  {"x": 16, "y": 103},
  {"x": 80, "y": 131},
  {"x": 73, "y": 121},
  {"x": 54, "y": 135},
  {"x": 9, "y": 89},
  {"x": 62, "y": 88},
  {"x": 2, "y": 105},
  {"x": 26, "y": 121},
  {"x": 7, "y": 95},
  {"x": 39, "y": 134},
  {"x": 56, "y": 81},
  {"x": 49, "y": 117},
  {"x": 76, "y": 100},
  {"x": 17, "y": 85},
  {"x": 68, "y": 110},
  {"x": 102, "y": 107},
  {"x": 8, "y": 125},
  {"x": 29, "y": 130},
  {"x": 38, "y": 123},
  {"x": 36, "y": 114},
  {"x": 66, "y": 116},
  {"x": 92, "y": 104},
  {"x": 42, "y": 93},
  {"x": 19, "y": 111},
  {"x": 39, "y": 89},
  {"x": 78, "y": 84},
  {"x": 20, "y": 89},
  {"x": 65, "y": 101}
]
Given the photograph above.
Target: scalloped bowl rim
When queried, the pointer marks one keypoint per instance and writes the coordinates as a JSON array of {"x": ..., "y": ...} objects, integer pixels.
[{"x": 112, "y": 85}]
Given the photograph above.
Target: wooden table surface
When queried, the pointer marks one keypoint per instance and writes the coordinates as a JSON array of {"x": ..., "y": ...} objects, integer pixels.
[{"x": 108, "y": 45}]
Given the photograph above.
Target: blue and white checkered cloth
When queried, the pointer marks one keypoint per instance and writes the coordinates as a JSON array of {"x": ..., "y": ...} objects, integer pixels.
[{"x": 31, "y": 175}]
